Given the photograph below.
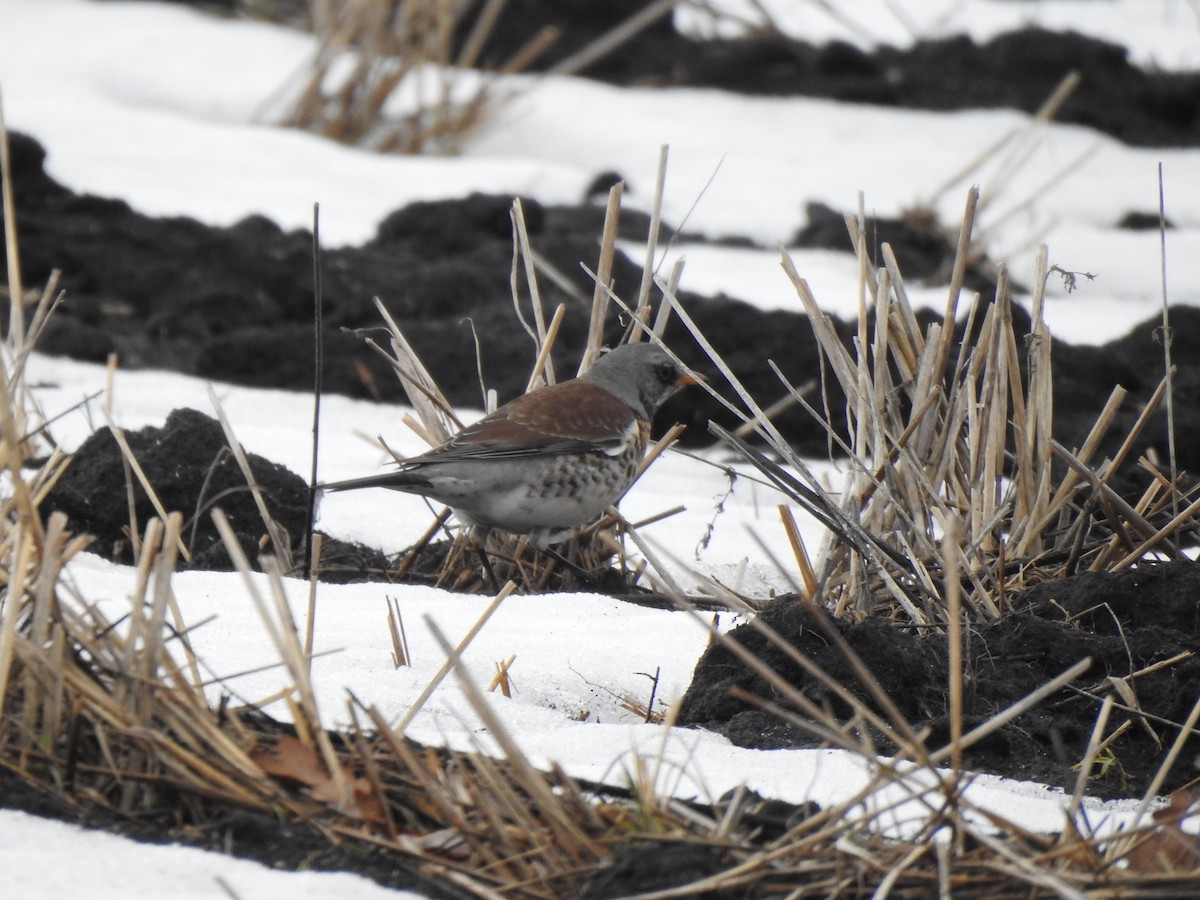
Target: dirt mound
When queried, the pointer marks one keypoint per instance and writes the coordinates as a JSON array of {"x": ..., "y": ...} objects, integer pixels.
[
  {"x": 1125, "y": 623},
  {"x": 189, "y": 464}
]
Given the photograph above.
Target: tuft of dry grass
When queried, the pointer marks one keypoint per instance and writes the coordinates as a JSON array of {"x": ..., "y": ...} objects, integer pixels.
[
  {"x": 383, "y": 75},
  {"x": 404, "y": 77},
  {"x": 949, "y": 432}
]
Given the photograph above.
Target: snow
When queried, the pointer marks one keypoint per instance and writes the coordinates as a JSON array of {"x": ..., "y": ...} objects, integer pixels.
[
  {"x": 46, "y": 859},
  {"x": 129, "y": 103}
]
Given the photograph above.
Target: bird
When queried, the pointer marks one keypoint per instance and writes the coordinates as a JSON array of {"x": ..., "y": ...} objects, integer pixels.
[{"x": 550, "y": 460}]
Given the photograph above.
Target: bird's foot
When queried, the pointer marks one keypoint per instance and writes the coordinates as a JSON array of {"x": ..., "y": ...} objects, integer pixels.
[{"x": 603, "y": 578}]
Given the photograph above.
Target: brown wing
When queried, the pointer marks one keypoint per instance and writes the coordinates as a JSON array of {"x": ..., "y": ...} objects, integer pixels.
[{"x": 571, "y": 417}]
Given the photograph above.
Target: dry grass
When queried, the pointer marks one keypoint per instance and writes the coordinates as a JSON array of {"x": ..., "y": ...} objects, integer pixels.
[
  {"x": 113, "y": 716},
  {"x": 950, "y": 433},
  {"x": 404, "y": 77},
  {"x": 383, "y": 76}
]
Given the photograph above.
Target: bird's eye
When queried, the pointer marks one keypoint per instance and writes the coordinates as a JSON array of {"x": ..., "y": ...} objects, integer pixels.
[{"x": 667, "y": 373}]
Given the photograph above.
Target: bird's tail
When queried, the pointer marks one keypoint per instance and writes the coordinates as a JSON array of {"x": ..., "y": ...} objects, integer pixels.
[{"x": 396, "y": 481}]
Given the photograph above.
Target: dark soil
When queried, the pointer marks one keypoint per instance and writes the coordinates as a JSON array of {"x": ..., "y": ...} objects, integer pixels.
[
  {"x": 189, "y": 464},
  {"x": 235, "y": 304},
  {"x": 1123, "y": 622}
]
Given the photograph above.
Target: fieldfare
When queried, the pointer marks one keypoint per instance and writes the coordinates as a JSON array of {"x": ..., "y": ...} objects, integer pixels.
[{"x": 552, "y": 459}]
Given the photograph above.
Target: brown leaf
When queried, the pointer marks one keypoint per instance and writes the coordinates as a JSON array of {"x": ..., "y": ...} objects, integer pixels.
[
  {"x": 291, "y": 762},
  {"x": 1168, "y": 848},
  {"x": 367, "y": 804}
]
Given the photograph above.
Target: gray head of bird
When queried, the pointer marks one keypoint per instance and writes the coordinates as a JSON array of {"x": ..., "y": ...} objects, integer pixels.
[{"x": 642, "y": 375}]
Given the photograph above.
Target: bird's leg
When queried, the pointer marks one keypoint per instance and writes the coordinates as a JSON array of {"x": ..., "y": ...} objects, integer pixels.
[
  {"x": 587, "y": 577},
  {"x": 481, "y": 535},
  {"x": 493, "y": 582}
]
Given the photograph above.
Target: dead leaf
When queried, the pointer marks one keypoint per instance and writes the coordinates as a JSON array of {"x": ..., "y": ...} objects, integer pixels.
[
  {"x": 1168, "y": 848},
  {"x": 293, "y": 763}
]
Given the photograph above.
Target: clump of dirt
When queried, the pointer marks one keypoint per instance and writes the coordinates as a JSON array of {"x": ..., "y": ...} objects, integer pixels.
[
  {"x": 1124, "y": 622},
  {"x": 917, "y": 238},
  {"x": 188, "y": 463}
]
